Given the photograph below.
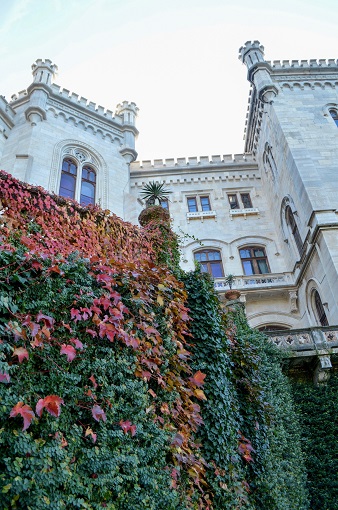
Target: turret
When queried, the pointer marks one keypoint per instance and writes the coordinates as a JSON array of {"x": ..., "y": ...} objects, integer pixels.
[
  {"x": 252, "y": 55},
  {"x": 44, "y": 71},
  {"x": 128, "y": 113}
]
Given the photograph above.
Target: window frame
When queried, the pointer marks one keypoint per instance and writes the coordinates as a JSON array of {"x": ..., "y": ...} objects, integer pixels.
[
  {"x": 292, "y": 224},
  {"x": 254, "y": 259},
  {"x": 334, "y": 115},
  {"x": 166, "y": 202},
  {"x": 318, "y": 308},
  {"x": 79, "y": 179},
  {"x": 239, "y": 204},
  {"x": 198, "y": 203},
  {"x": 209, "y": 263}
]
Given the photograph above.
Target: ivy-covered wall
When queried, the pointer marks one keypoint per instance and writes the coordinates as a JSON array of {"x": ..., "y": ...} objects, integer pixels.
[
  {"x": 122, "y": 382},
  {"x": 252, "y": 433},
  {"x": 317, "y": 407}
]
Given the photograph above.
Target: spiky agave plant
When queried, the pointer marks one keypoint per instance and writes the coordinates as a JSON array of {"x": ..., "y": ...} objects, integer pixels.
[{"x": 154, "y": 191}]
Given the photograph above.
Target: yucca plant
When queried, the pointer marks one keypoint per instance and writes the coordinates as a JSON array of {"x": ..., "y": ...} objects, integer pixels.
[{"x": 154, "y": 191}]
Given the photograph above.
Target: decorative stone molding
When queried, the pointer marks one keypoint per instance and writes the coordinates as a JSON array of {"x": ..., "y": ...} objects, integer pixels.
[{"x": 293, "y": 294}]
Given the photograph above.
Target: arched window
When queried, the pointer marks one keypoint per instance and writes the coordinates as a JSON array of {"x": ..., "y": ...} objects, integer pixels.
[
  {"x": 68, "y": 178},
  {"x": 334, "y": 115},
  {"x": 70, "y": 184},
  {"x": 211, "y": 262},
  {"x": 254, "y": 260},
  {"x": 272, "y": 327},
  {"x": 88, "y": 183},
  {"x": 319, "y": 308},
  {"x": 290, "y": 220}
]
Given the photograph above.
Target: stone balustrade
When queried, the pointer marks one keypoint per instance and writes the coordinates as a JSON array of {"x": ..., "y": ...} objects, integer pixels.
[{"x": 256, "y": 281}]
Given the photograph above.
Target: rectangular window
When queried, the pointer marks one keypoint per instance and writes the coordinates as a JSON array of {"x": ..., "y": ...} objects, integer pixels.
[
  {"x": 233, "y": 201},
  {"x": 165, "y": 204},
  {"x": 246, "y": 200},
  {"x": 205, "y": 204},
  {"x": 192, "y": 204},
  {"x": 254, "y": 260}
]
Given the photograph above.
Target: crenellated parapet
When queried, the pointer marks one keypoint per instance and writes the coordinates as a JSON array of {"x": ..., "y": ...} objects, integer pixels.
[
  {"x": 44, "y": 96},
  {"x": 195, "y": 162}
]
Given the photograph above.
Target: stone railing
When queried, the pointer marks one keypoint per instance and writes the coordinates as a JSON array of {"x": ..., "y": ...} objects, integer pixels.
[
  {"x": 201, "y": 215},
  {"x": 310, "y": 350},
  {"x": 317, "y": 338},
  {"x": 256, "y": 281}
]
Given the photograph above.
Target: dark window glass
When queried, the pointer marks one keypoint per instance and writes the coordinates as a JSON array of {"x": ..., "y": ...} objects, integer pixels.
[
  {"x": 205, "y": 204},
  {"x": 290, "y": 219},
  {"x": 192, "y": 204},
  {"x": 68, "y": 179},
  {"x": 165, "y": 204},
  {"x": 254, "y": 260},
  {"x": 273, "y": 327},
  {"x": 246, "y": 200},
  {"x": 334, "y": 115},
  {"x": 211, "y": 262},
  {"x": 321, "y": 315},
  {"x": 88, "y": 183},
  {"x": 233, "y": 201}
]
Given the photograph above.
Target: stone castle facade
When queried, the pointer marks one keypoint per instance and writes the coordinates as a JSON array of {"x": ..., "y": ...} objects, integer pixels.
[{"x": 268, "y": 216}]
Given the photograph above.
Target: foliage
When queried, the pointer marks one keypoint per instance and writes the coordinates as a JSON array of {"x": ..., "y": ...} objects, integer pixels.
[
  {"x": 101, "y": 402},
  {"x": 317, "y": 406},
  {"x": 220, "y": 436},
  {"x": 153, "y": 191},
  {"x": 94, "y": 365},
  {"x": 251, "y": 433},
  {"x": 229, "y": 280},
  {"x": 277, "y": 477}
]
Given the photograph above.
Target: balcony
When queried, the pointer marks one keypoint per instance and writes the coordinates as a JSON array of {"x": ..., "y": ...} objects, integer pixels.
[
  {"x": 316, "y": 339},
  {"x": 256, "y": 281},
  {"x": 243, "y": 212},
  {"x": 201, "y": 215}
]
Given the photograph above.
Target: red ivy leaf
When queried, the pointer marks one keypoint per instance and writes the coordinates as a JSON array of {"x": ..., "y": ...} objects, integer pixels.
[
  {"x": 93, "y": 380},
  {"x": 98, "y": 413},
  {"x": 198, "y": 379},
  {"x": 91, "y": 332},
  {"x": 21, "y": 353},
  {"x": 75, "y": 314},
  {"x": 49, "y": 321},
  {"x": 52, "y": 404},
  {"x": 5, "y": 378},
  {"x": 126, "y": 426},
  {"x": 69, "y": 351},
  {"x": 25, "y": 411},
  {"x": 77, "y": 343}
]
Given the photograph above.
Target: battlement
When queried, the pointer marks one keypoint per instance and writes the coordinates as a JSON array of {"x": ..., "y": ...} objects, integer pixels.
[
  {"x": 202, "y": 161},
  {"x": 303, "y": 64},
  {"x": 45, "y": 64},
  {"x": 254, "y": 46},
  {"x": 85, "y": 103}
]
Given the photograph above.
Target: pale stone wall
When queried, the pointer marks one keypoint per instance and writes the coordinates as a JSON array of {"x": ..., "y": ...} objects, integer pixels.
[{"x": 49, "y": 123}]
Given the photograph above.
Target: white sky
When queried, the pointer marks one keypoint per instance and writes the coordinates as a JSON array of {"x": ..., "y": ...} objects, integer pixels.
[{"x": 176, "y": 59}]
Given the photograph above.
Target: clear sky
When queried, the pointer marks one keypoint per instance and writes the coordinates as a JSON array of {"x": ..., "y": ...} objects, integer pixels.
[{"x": 176, "y": 59}]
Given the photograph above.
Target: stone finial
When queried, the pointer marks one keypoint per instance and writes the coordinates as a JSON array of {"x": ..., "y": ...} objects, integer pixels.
[{"x": 44, "y": 71}]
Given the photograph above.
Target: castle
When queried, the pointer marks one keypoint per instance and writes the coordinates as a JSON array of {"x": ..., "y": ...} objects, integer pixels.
[{"x": 268, "y": 216}]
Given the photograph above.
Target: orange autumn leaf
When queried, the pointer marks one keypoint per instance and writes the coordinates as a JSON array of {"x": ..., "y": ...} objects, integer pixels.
[
  {"x": 21, "y": 353},
  {"x": 52, "y": 404},
  {"x": 25, "y": 411}
]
